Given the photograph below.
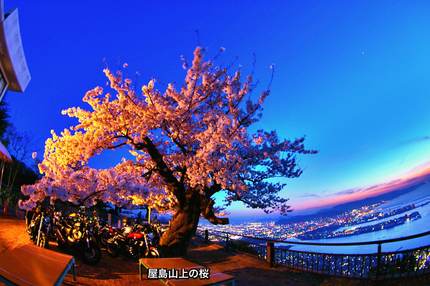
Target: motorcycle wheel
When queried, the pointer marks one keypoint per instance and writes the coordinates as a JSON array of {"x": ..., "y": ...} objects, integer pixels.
[
  {"x": 112, "y": 249},
  {"x": 61, "y": 245},
  {"x": 104, "y": 238},
  {"x": 32, "y": 232},
  {"x": 43, "y": 241},
  {"x": 32, "y": 237},
  {"x": 152, "y": 253},
  {"x": 133, "y": 252},
  {"x": 92, "y": 254}
]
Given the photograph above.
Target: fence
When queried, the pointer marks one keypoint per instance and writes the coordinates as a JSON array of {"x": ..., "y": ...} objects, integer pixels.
[{"x": 375, "y": 265}]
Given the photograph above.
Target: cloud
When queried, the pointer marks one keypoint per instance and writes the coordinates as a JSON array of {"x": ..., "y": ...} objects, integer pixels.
[
  {"x": 348, "y": 191},
  {"x": 309, "y": 195},
  {"x": 415, "y": 140},
  {"x": 416, "y": 175}
]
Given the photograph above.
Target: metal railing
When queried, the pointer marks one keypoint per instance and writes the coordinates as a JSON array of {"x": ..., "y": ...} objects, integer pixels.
[{"x": 375, "y": 265}]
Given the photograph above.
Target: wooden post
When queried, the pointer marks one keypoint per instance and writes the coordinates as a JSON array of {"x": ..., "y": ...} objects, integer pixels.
[
  {"x": 270, "y": 253},
  {"x": 1, "y": 187},
  {"x": 206, "y": 236},
  {"x": 227, "y": 243},
  {"x": 140, "y": 270},
  {"x": 5, "y": 207},
  {"x": 378, "y": 261}
]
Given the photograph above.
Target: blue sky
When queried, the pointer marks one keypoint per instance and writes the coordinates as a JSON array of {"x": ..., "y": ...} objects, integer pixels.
[{"x": 351, "y": 76}]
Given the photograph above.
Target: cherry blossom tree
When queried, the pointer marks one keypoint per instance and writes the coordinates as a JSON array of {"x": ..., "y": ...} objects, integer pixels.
[{"x": 188, "y": 143}]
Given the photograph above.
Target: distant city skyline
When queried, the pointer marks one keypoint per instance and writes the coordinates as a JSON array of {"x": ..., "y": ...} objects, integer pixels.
[{"x": 352, "y": 77}]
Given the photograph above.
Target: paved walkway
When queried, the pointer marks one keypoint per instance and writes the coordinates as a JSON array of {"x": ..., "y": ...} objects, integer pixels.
[
  {"x": 247, "y": 269},
  {"x": 12, "y": 233}
]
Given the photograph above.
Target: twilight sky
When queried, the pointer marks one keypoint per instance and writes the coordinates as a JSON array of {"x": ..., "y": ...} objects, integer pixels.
[{"x": 352, "y": 76}]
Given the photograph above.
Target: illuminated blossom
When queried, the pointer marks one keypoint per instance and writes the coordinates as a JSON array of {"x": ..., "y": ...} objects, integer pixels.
[{"x": 186, "y": 139}]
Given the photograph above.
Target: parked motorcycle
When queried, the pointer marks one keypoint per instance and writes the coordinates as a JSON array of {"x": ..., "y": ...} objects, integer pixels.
[
  {"x": 134, "y": 241},
  {"x": 30, "y": 221},
  {"x": 37, "y": 226},
  {"x": 75, "y": 231},
  {"x": 103, "y": 233}
]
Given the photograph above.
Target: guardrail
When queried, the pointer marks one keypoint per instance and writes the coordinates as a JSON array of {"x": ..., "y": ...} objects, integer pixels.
[{"x": 376, "y": 265}]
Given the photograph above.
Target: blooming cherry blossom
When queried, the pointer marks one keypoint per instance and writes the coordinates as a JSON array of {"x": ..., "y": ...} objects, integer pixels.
[{"x": 188, "y": 143}]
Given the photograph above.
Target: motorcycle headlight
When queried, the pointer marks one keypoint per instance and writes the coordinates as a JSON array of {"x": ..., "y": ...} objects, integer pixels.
[{"x": 77, "y": 234}]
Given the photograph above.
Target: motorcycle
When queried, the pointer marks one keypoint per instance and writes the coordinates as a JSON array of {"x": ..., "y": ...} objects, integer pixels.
[
  {"x": 30, "y": 223},
  {"x": 75, "y": 232},
  {"x": 103, "y": 233},
  {"x": 37, "y": 226},
  {"x": 134, "y": 241}
]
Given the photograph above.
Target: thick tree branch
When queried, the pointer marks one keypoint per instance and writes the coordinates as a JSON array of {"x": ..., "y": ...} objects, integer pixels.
[
  {"x": 163, "y": 169},
  {"x": 96, "y": 193},
  {"x": 174, "y": 139},
  {"x": 117, "y": 146},
  {"x": 209, "y": 214},
  {"x": 213, "y": 189}
]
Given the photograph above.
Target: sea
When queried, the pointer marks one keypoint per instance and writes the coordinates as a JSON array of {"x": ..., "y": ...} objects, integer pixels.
[{"x": 418, "y": 196}]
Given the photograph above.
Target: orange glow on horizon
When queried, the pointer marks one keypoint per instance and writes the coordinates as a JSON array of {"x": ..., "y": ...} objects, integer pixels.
[{"x": 407, "y": 179}]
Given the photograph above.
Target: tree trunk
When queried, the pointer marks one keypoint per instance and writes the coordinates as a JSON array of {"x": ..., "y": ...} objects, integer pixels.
[
  {"x": 174, "y": 242},
  {"x": 17, "y": 212},
  {"x": 5, "y": 208}
]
